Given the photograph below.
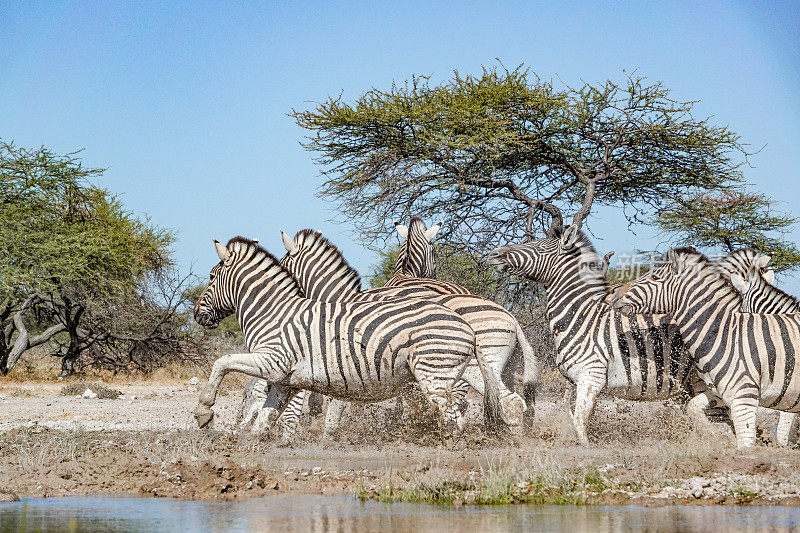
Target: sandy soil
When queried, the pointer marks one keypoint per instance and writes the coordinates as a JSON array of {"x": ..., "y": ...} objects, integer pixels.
[{"x": 146, "y": 442}]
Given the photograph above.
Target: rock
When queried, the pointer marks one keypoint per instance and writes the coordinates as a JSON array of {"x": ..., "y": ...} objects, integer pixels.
[
  {"x": 89, "y": 393},
  {"x": 194, "y": 381}
]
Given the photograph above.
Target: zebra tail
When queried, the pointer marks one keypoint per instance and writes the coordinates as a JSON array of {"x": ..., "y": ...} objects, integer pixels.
[
  {"x": 492, "y": 408},
  {"x": 530, "y": 375}
]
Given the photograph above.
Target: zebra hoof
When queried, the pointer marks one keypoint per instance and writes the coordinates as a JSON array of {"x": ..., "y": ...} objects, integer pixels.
[{"x": 203, "y": 415}]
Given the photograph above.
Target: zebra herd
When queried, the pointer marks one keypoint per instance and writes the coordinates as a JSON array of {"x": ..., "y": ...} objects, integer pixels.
[{"x": 309, "y": 326}]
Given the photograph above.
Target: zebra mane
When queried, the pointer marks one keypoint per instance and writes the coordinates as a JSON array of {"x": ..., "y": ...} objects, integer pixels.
[
  {"x": 308, "y": 238},
  {"x": 270, "y": 263}
]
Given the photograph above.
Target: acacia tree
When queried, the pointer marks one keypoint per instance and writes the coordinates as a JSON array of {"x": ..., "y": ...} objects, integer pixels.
[
  {"x": 69, "y": 253},
  {"x": 486, "y": 151},
  {"x": 732, "y": 219}
]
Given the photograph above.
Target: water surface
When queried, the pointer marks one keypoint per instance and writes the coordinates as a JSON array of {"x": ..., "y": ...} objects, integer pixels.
[{"x": 344, "y": 513}]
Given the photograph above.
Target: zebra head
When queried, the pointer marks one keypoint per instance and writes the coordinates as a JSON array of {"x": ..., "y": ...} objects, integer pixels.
[
  {"x": 758, "y": 293},
  {"x": 216, "y": 302},
  {"x": 739, "y": 262},
  {"x": 319, "y": 267},
  {"x": 662, "y": 289},
  {"x": 544, "y": 260},
  {"x": 416, "y": 252}
]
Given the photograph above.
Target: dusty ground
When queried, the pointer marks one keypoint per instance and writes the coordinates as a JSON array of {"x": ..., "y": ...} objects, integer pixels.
[{"x": 146, "y": 442}]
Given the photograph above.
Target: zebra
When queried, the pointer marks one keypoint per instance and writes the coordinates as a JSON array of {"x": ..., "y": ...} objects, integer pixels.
[
  {"x": 759, "y": 295},
  {"x": 325, "y": 275},
  {"x": 415, "y": 267},
  {"x": 415, "y": 263},
  {"x": 637, "y": 357},
  {"x": 364, "y": 351},
  {"x": 748, "y": 358}
]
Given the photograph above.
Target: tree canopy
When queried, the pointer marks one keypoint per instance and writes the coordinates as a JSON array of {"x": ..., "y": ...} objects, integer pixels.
[
  {"x": 483, "y": 150},
  {"x": 68, "y": 248},
  {"x": 732, "y": 219}
]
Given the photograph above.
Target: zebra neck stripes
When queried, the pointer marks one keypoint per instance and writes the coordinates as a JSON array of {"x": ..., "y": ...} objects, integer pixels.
[
  {"x": 415, "y": 257},
  {"x": 321, "y": 269}
]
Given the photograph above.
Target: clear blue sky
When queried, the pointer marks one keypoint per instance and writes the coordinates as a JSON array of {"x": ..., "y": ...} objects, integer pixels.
[{"x": 186, "y": 105}]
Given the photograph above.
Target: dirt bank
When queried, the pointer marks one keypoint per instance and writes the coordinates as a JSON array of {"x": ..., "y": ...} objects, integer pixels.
[{"x": 146, "y": 443}]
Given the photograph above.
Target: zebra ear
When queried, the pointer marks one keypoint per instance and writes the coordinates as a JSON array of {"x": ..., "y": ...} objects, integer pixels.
[
  {"x": 763, "y": 260},
  {"x": 431, "y": 232},
  {"x": 769, "y": 276},
  {"x": 672, "y": 259},
  {"x": 289, "y": 244},
  {"x": 401, "y": 230},
  {"x": 739, "y": 283},
  {"x": 222, "y": 252},
  {"x": 569, "y": 237}
]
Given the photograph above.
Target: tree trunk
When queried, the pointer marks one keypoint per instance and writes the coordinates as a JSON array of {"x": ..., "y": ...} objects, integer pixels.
[{"x": 74, "y": 347}]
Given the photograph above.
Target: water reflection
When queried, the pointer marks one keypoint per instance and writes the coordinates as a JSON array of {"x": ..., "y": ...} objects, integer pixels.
[{"x": 340, "y": 513}]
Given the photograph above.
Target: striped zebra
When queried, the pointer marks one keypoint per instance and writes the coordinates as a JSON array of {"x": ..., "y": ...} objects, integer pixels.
[
  {"x": 325, "y": 275},
  {"x": 748, "y": 358},
  {"x": 637, "y": 357},
  {"x": 364, "y": 351},
  {"x": 750, "y": 274},
  {"x": 415, "y": 267},
  {"x": 415, "y": 263}
]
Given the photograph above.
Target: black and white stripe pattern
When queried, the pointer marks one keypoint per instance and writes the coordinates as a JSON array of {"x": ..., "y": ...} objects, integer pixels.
[
  {"x": 363, "y": 351},
  {"x": 638, "y": 357},
  {"x": 750, "y": 359},
  {"x": 749, "y": 272},
  {"x": 415, "y": 263},
  {"x": 324, "y": 275}
]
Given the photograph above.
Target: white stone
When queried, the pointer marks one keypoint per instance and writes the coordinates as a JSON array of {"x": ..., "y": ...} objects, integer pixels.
[
  {"x": 89, "y": 393},
  {"x": 194, "y": 381}
]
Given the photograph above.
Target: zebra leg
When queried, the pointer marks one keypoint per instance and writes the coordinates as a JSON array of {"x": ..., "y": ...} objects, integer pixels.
[
  {"x": 261, "y": 365},
  {"x": 443, "y": 398},
  {"x": 586, "y": 392},
  {"x": 333, "y": 417},
  {"x": 284, "y": 404},
  {"x": 744, "y": 407},
  {"x": 512, "y": 403},
  {"x": 315, "y": 403},
  {"x": 532, "y": 369},
  {"x": 705, "y": 409},
  {"x": 253, "y": 400},
  {"x": 785, "y": 428}
]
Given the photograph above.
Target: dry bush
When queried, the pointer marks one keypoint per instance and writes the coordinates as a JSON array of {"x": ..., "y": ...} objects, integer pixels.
[{"x": 79, "y": 387}]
